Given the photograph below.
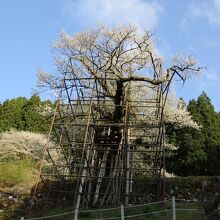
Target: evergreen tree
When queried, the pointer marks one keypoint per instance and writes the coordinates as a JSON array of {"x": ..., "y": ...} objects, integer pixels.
[
  {"x": 25, "y": 114},
  {"x": 190, "y": 155},
  {"x": 35, "y": 119},
  {"x": 198, "y": 150},
  {"x": 11, "y": 114}
]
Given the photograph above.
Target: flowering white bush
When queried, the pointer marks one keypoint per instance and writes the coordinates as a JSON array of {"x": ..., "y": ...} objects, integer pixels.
[
  {"x": 17, "y": 145},
  {"x": 175, "y": 111},
  {"x": 177, "y": 114},
  {"x": 45, "y": 110}
]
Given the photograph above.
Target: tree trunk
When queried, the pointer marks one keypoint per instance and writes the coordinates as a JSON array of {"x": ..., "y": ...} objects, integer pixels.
[{"x": 114, "y": 138}]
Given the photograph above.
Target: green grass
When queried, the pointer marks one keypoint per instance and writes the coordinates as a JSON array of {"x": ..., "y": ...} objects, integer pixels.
[
  {"x": 129, "y": 211},
  {"x": 15, "y": 172},
  {"x": 15, "y": 177}
]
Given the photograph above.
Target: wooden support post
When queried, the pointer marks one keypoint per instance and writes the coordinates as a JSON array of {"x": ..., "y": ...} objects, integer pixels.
[
  {"x": 76, "y": 214},
  {"x": 122, "y": 212},
  {"x": 84, "y": 171},
  {"x": 127, "y": 150},
  {"x": 173, "y": 208}
]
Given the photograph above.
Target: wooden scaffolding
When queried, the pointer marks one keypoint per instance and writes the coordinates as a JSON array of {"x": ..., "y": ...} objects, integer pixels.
[{"x": 102, "y": 157}]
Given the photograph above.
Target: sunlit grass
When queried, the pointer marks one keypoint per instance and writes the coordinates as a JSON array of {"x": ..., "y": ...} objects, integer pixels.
[{"x": 17, "y": 172}]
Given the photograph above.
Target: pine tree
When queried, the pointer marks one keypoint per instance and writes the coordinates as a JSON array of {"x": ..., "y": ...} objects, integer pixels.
[{"x": 198, "y": 150}]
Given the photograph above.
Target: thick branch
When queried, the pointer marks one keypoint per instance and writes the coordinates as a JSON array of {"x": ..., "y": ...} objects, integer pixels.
[{"x": 145, "y": 79}]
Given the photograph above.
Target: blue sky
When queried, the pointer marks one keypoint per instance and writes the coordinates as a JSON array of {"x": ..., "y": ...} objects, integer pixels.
[{"x": 29, "y": 27}]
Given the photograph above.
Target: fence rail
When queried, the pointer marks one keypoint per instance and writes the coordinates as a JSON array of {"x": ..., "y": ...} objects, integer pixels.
[{"x": 125, "y": 212}]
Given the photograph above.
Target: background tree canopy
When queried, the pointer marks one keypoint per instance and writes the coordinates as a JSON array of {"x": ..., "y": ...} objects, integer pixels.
[
  {"x": 198, "y": 151},
  {"x": 25, "y": 114}
]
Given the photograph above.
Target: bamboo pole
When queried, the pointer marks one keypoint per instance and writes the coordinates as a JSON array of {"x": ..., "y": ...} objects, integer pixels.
[
  {"x": 83, "y": 176},
  {"x": 99, "y": 180},
  {"x": 127, "y": 184},
  {"x": 44, "y": 154}
]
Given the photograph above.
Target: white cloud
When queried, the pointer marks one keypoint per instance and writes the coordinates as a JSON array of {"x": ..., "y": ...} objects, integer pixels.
[
  {"x": 209, "y": 9},
  {"x": 144, "y": 14}
]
